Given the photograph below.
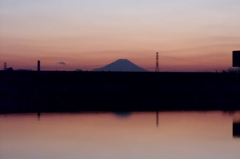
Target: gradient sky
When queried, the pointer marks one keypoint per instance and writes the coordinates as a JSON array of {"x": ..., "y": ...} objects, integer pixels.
[{"x": 190, "y": 35}]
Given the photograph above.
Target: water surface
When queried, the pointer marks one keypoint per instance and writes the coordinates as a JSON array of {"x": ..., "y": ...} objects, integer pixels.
[{"x": 179, "y": 135}]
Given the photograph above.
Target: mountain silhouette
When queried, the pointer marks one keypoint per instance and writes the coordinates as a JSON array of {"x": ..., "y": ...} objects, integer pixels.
[
  {"x": 122, "y": 65},
  {"x": 78, "y": 70},
  {"x": 23, "y": 70}
]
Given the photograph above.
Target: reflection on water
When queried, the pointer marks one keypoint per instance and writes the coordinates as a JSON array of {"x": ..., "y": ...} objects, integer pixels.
[
  {"x": 179, "y": 135},
  {"x": 236, "y": 125},
  {"x": 123, "y": 114},
  {"x": 236, "y": 129}
]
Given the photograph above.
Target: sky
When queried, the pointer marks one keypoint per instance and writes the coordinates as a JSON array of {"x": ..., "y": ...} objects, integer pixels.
[
  {"x": 180, "y": 135},
  {"x": 197, "y": 35}
]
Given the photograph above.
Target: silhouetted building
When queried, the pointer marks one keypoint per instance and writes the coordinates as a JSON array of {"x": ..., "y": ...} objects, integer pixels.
[
  {"x": 236, "y": 129},
  {"x": 236, "y": 59},
  {"x": 9, "y": 69}
]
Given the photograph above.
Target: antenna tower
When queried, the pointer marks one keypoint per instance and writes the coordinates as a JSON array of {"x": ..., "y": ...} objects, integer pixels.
[
  {"x": 157, "y": 65},
  {"x": 5, "y": 66}
]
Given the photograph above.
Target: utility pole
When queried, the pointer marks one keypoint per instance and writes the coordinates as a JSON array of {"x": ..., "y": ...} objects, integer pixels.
[{"x": 38, "y": 67}]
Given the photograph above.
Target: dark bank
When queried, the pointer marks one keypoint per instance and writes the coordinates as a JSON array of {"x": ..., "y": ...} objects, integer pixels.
[{"x": 41, "y": 91}]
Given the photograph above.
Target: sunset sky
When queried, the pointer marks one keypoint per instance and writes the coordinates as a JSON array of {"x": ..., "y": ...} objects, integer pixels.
[{"x": 189, "y": 35}]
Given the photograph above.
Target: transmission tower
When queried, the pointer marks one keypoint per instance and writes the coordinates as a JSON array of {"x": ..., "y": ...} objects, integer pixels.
[
  {"x": 157, "y": 65},
  {"x": 5, "y": 66}
]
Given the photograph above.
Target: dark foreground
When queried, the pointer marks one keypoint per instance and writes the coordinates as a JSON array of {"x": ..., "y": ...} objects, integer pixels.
[{"x": 29, "y": 92}]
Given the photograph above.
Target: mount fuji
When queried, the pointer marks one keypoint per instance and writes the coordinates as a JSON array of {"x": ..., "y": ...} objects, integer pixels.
[{"x": 121, "y": 65}]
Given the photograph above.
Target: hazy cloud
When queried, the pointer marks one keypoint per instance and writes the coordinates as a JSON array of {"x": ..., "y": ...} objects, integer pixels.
[
  {"x": 62, "y": 63},
  {"x": 226, "y": 38}
]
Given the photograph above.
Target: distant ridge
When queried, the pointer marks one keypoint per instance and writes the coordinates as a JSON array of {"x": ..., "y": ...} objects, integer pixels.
[
  {"x": 23, "y": 70},
  {"x": 78, "y": 70},
  {"x": 121, "y": 65}
]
